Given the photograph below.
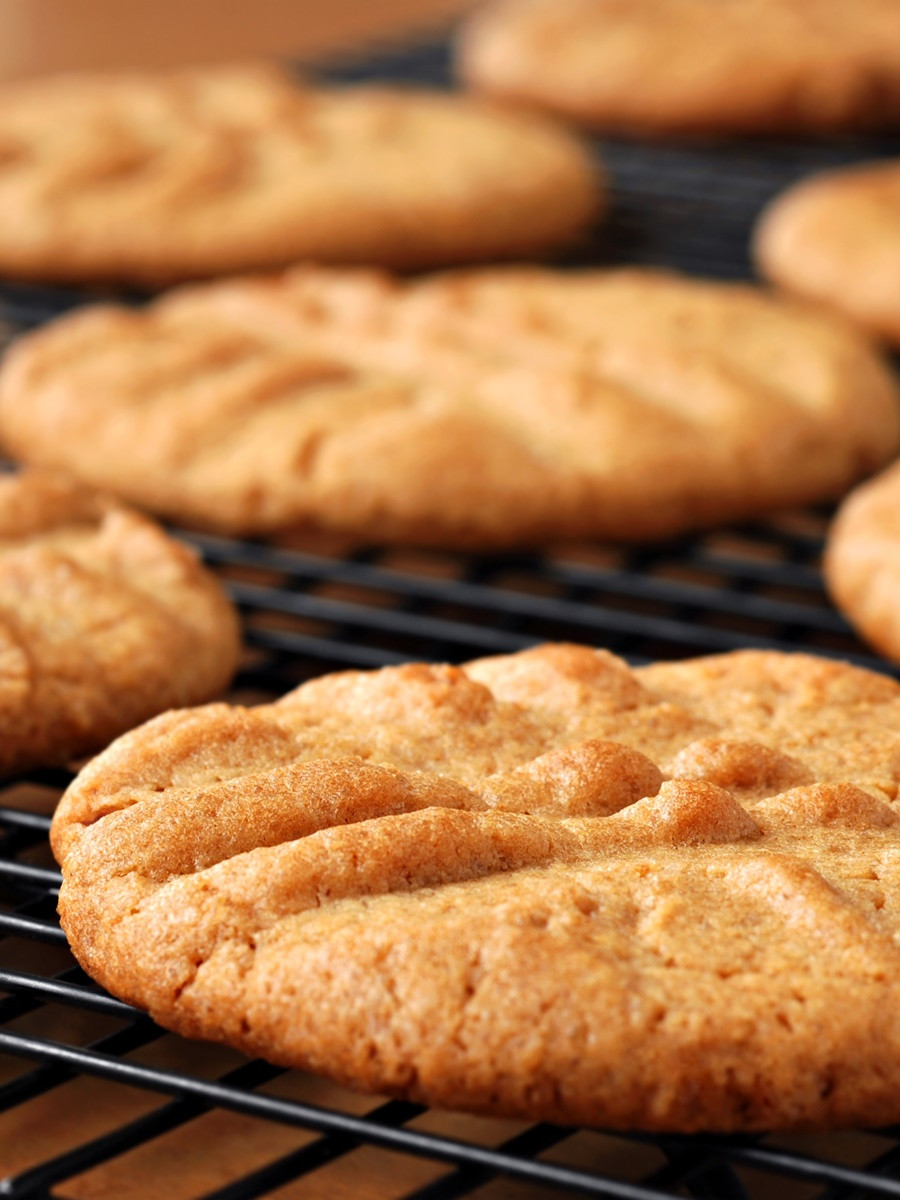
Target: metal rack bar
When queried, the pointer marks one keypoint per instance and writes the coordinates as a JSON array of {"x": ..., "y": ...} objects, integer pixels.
[{"x": 307, "y": 1116}]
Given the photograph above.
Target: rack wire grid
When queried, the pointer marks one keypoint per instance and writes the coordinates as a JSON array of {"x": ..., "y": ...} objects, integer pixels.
[{"x": 96, "y": 1101}]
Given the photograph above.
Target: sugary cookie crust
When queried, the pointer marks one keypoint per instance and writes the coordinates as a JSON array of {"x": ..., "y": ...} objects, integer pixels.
[
  {"x": 862, "y": 561},
  {"x": 543, "y": 885},
  {"x": 692, "y": 66},
  {"x": 104, "y": 622},
  {"x": 152, "y": 178},
  {"x": 472, "y": 409}
]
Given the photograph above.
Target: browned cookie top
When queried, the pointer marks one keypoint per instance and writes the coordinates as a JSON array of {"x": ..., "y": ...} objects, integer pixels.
[
  {"x": 862, "y": 561},
  {"x": 173, "y": 175},
  {"x": 835, "y": 238},
  {"x": 485, "y": 408},
  {"x": 693, "y": 66},
  {"x": 543, "y": 885},
  {"x": 104, "y": 622}
]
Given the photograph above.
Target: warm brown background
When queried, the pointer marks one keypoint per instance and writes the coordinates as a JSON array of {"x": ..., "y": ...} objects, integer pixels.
[{"x": 50, "y": 35}]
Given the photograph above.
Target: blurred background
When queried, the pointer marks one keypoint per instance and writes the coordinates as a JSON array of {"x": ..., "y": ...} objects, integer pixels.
[{"x": 51, "y": 35}]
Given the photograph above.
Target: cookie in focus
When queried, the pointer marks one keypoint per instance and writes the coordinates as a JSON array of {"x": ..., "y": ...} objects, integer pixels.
[{"x": 542, "y": 885}]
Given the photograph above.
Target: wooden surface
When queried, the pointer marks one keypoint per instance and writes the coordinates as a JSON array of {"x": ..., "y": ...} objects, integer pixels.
[{"x": 39, "y": 36}]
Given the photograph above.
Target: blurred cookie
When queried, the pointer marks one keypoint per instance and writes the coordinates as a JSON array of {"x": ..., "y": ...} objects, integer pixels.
[
  {"x": 104, "y": 622},
  {"x": 835, "y": 238},
  {"x": 479, "y": 409},
  {"x": 543, "y": 886},
  {"x": 862, "y": 561},
  {"x": 693, "y": 66},
  {"x": 149, "y": 178}
]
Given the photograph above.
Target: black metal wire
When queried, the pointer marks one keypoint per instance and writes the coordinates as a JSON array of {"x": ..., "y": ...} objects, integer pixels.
[
  {"x": 308, "y": 1116},
  {"x": 684, "y": 206},
  {"x": 32, "y": 927}
]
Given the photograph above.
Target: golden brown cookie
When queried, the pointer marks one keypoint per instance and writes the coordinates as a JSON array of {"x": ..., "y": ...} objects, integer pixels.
[
  {"x": 835, "y": 238},
  {"x": 485, "y": 408},
  {"x": 104, "y": 622},
  {"x": 542, "y": 885},
  {"x": 151, "y": 178},
  {"x": 693, "y": 66},
  {"x": 862, "y": 561}
]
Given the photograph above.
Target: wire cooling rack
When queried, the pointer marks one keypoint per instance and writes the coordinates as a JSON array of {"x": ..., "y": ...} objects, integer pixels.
[{"x": 97, "y": 1102}]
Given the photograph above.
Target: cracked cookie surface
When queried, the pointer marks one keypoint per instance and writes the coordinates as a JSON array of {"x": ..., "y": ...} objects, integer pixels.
[
  {"x": 104, "y": 622},
  {"x": 470, "y": 409},
  {"x": 151, "y": 178},
  {"x": 862, "y": 561},
  {"x": 543, "y": 885},
  {"x": 693, "y": 66}
]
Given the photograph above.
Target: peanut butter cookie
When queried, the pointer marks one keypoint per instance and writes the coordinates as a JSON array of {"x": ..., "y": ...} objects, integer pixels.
[
  {"x": 862, "y": 561},
  {"x": 693, "y": 66},
  {"x": 150, "y": 178},
  {"x": 104, "y": 622},
  {"x": 835, "y": 239},
  {"x": 474, "y": 409},
  {"x": 542, "y": 885}
]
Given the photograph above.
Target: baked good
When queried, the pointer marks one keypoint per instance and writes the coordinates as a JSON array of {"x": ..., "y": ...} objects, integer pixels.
[
  {"x": 104, "y": 622},
  {"x": 835, "y": 238},
  {"x": 159, "y": 176},
  {"x": 542, "y": 885},
  {"x": 692, "y": 66},
  {"x": 862, "y": 561},
  {"x": 473, "y": 409}
]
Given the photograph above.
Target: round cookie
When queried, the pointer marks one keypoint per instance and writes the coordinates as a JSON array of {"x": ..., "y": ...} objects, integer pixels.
[
  {"x": 150, "y": 178},
  {"x": 862, "y": 561},
  {"x": 835, "y": 238},
  {"x": 692, "y": 66},
  {"x": 543, "y": 885},
  {"x": 104, "y": 622},
  {"x": 477, "y": 409}
]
